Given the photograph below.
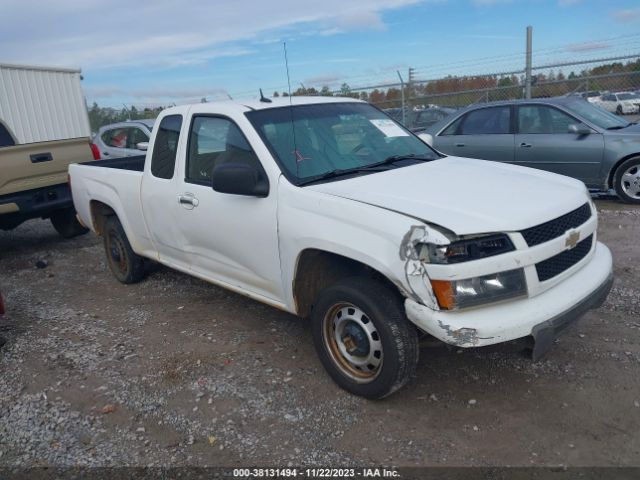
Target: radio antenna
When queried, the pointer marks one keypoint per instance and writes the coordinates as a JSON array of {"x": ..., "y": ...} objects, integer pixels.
[{"x": 293, "y": 125}]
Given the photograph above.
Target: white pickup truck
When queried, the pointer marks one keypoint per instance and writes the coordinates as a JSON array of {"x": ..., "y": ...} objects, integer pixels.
[{"x": 328, "y": 209}]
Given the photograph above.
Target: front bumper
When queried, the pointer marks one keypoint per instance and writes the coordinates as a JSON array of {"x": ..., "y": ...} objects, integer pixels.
[{"x": 541, "y": 316}]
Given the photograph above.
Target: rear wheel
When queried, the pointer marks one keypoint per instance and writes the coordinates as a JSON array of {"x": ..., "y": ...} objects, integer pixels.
[
  {"x": 66, "y": 223},
  {"x": 626, "y": 180},
  {"x": 363, "y": 337},
  {"x": 124, "y": 263}
]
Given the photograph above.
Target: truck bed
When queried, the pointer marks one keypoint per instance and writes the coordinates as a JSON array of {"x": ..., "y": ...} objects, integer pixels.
[
  {"x": 115, "y": 183},
  {"x": 135, "y": 164}
]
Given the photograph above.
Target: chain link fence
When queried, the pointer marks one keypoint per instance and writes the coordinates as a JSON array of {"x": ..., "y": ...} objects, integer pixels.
[{"x": 419, "y": 103}]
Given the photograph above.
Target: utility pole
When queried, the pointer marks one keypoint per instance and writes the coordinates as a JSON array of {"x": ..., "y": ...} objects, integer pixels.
[
  {"x": 404, "y": 119},
  {"x": 411, "y": 75},
  {"x": 527, "y": 71}
]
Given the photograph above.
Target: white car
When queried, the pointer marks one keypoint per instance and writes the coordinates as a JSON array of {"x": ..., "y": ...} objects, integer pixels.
[
  {"x": 621, "y": 103},
  {"x": 124, "y": 139},
  {"x": 329, "y": 209}
]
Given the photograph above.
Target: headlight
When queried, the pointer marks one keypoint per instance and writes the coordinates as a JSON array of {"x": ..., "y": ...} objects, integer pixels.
[
  {"x": 471, "y": 249},
  {"x": 471, "y": 292}
]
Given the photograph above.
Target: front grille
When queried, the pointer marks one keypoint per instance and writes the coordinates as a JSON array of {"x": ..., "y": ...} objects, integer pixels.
[
  {"x": 554, "y": 228},
  {"x": 557, "y": 264}
]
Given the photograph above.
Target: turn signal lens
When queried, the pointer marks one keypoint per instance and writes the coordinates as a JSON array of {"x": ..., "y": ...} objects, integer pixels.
[{"x": 444, "y": 294}]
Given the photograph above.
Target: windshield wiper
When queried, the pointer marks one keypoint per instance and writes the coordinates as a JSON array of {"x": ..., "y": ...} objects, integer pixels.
[{"x": 365, "y": 168}]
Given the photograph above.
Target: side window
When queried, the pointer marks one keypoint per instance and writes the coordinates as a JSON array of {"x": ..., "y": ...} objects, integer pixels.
[
  {"x": 494, "y": 120},
  {"x": 116, "y": 137},
  {"x": 215, "y": 141},
  {"x": 530, "y": 120},
  {"x": 453, "y": 128},
  {"x": 136, "y": 136},
  {"x": 165, "y": 148},
  {"x": 6, "y": 140},
  {"x": 542, "y": 119},
  {"x": 560, "y": 121}
]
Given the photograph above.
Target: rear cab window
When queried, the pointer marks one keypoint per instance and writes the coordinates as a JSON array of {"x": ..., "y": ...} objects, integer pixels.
[{"x": 165, "y": 148}]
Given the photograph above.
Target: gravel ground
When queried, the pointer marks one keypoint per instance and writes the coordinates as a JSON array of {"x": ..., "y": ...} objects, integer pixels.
[{"x": 174, "y": 371}]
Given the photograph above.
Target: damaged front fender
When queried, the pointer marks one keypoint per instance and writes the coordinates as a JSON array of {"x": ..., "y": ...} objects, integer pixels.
[{"x": 414, "y": 263}]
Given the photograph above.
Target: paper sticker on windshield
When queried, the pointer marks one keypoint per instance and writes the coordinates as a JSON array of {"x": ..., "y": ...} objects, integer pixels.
[{"x": 389, "y": 127}]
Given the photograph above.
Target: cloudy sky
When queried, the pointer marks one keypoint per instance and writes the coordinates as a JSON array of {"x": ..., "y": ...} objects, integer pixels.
[{"x": 160, "y": 52}]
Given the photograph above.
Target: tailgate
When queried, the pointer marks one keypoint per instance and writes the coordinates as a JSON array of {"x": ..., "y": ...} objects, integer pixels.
[{"x": 35, "y": 165}]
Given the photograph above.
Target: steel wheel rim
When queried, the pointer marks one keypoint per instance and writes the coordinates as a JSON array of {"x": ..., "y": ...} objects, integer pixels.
[
  {"x": 117, "y": 253},
  {"x": 630, "y": 181},
  {"x": 353, "y": 342}
]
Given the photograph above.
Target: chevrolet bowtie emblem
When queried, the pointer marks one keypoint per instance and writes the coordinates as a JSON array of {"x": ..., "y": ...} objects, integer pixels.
[{"x": 572, "y": 239}]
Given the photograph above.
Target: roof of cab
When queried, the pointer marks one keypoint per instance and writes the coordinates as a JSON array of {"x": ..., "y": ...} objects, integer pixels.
[
  {"x": 294, "y": 100},
  {"x": 253, "y": 104}
]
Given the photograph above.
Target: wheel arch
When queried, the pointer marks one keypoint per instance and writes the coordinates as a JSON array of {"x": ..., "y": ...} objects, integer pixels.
[
  {"x": 612, "y": 171},
  {"x": 100, "y": 211},
  {"x": 317, "y": 269}
]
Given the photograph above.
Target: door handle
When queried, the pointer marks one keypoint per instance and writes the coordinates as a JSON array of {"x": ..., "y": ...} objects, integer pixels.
[
  {"x": 460, "y": 144},
  {"x": 106, "y": 154},
  {"x": 188, "y": 200},
  {"x": 525, "y": 145},
  {"x": 41, "y": 157}
]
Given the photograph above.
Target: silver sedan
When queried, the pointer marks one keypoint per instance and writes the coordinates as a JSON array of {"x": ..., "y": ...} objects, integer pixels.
[{"x": 565, "y": 135}]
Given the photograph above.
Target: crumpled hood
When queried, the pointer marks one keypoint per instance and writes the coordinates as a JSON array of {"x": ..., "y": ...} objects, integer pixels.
[{"x": 464, "y": 195}]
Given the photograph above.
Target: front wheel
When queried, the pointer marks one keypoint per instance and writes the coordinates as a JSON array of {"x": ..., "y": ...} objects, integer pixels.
[
  {"x": 124, "y": 263},
  {"x": 619, "y": 110},
  {"x": 66, "y": 223},
  {"x": 363, "y": 337},
  {"x": 626, "y": 180}
]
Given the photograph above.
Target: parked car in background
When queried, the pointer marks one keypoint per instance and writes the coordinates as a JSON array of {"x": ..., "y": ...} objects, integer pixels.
[
  {"x": 564, "y": 135},
  {"x": 44, "y": 126},
  {"x": 396, "y": 114},
  {"x": 592, "y": 96},
  {"x": 620, "y": 103},
  {"x": 327, "y": 208},
  {"x": 423, "y": 119},
  {"x": 124, "y": 139}
]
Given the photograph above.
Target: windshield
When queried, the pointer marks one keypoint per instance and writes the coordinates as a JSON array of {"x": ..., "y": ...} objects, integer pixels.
[
  {"x": 626, "y": 96},
  {"x": 596, "y": 115},
  {"x": 312, "y": 140}
]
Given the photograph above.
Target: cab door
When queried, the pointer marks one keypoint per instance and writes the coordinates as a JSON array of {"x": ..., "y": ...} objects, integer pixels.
[
  {"x": 159, "y": 193},
  {"x": 229, "y": 238}
]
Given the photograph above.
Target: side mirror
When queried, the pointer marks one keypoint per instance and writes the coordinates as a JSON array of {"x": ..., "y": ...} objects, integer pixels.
[
  {"x": 579, "y": 129},
  {"x": 426, "y": 138},
  {"x": 142, "y": 146},
  {"x": 239, "y": 179}
]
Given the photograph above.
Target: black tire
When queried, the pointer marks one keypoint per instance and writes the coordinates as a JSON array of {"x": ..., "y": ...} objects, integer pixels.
[
  {"x": 377, "y": 328},
  {"x": 619, "y": 110},
  {"x": 124, "y": 263},
  {"x": 66, "y": 223},
  {"x": 624, "y": 185}
]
